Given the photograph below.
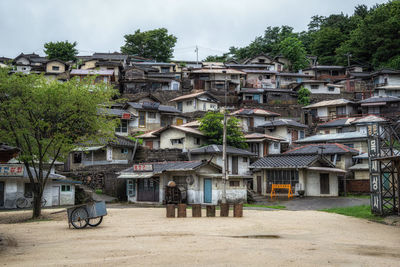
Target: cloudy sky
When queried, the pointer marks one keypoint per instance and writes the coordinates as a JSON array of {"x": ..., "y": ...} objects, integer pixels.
[{"x": 100, "y": 25}]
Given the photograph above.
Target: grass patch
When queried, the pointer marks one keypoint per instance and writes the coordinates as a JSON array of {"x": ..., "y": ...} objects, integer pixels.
[
  {"x": 278, "y": 207},
  {"x": 99, "y": 191},
  {"x": 358, "y": 196},
  {"x": 363, "y": 212}
]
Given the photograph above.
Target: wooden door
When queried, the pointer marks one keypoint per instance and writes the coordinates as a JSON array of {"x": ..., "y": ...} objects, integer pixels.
[
  {"x": 56, "y": 195},
  {"x": 2, "y": 194},
  {"x": 251, "y": 122},
  {"x": 324, "y": 183},
  {"x": 207, "y": 190},
  {"x": 142, "y": 119},
  {"x": 295, "y": 135},
  {"x": 259, "y": 184},
  {"x": 148, "y": 189},
  {"x": 149, "y": 144},
  {"x": 234, "y": 165}
]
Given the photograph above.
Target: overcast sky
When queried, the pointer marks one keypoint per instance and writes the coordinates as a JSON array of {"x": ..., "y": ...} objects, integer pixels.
[{"x": 100, "y": 25}]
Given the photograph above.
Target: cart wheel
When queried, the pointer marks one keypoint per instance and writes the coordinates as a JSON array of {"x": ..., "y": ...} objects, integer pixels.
[
  {"x": 79, "y": 218},
  {"x": 21, "y": 203},
  {"x": 95, "y": 221}
]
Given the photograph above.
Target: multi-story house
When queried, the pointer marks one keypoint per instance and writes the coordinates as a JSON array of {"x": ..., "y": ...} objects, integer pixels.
[{"x": 200, "y": 101}]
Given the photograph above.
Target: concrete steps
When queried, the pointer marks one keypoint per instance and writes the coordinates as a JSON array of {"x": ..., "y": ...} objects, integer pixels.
[{"x": 96, "y": 197}]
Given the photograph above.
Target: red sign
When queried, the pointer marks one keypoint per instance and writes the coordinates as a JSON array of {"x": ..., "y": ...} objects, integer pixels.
[
  {"x": 142, "y": 167},
  {"x": 126, "y": 116},
  {"x": 11, "y": 170}
]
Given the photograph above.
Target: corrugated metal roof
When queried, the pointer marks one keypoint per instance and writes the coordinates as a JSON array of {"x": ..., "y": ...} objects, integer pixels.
[
  {"x": 194, "y": 95},
  {"x": 332, "y": 148},
  {"x": 160, "y": 167},
  {"x": 217, "y": 149},
  {"x": 91, "y": 72},
  {"x": 283, "y": 122},
  {"x": 255, "y": 111},
  {"x": 262, "y": 137},
  {"x": 161, "y": 108},
  {"x": 227, "y": 71},
  {"x": 326, "y": 103},
  {"x": 379, "y": 99},
  {"x": 332, "y": 137}
]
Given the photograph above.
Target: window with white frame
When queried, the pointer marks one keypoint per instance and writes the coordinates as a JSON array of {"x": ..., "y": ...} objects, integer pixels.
[
  {"x": 189, "y": 103},
  {"x": 55, "y": 68},
  {"x": 314, "y": 86},
  {"x": 151, "y": 115},
  {"x": 122, "y": 127},
  {"x": 176, "y": 141},
  {"x": 124, "y": 151},
  {"x": 65, "y": 188}
]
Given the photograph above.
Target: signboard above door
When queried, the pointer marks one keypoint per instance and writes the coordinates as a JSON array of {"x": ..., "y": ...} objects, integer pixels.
[
  {"x": 143, "y": 167},
  {"x": 11, "y": 170}
]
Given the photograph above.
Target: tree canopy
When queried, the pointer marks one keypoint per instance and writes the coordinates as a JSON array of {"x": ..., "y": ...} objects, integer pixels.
[
  {"x": 303, "y": 97},
  {"x": 212, "y": 127},
  {"x": 155, "y": 44},
  {"x": 61, "y": 50},
  {"x": 368, "y": 37},
  {"x": 45, "y": 119},
  {"x": 292, "y": 48}
]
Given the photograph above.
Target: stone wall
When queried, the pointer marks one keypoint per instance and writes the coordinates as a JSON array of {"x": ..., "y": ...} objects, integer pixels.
[
  {"x": 144, "y": 154},
  {"x": 358, "y": 186}
]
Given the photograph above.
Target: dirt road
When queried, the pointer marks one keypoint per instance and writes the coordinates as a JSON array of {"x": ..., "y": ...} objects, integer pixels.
[{"x": 143, "y": 236}]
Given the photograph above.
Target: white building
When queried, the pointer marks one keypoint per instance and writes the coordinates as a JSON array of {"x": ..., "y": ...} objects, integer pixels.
[
  {"x": 331, "y": 109},
  {"x": 286, "y": 129},
  {"x": 251, "y": 118},
  {"x": 200, "y": 101},
  {"x": 320, "y": 87}
]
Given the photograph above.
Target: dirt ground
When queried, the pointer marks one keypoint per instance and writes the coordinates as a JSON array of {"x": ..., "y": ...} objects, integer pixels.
[{"x": 143, "y": 236}]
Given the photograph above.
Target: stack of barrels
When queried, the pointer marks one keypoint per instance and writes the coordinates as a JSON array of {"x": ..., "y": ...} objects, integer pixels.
[{"x": 210, "y": 210}]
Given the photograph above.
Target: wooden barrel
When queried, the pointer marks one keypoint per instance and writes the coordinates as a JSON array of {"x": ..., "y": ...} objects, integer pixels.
[
  {"x": 210, "y": 210},
  {"x": 224, "y": 210},
  {"x": 196, "y": 210},
  {"x": 170, "y": 210},
  {"x": 181, "y": 210},
  {"x": 238, "y": 210}
]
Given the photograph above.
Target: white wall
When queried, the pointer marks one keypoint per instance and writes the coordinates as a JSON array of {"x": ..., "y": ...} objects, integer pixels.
[
  {"x": 311, "y": 184},
  {"x": 322, "y": 89}
]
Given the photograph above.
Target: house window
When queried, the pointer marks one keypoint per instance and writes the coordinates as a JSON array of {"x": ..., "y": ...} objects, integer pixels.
[
  {"x": 189, "y": 103},
  {"x": 124, "y": 151},
  {"x": 261, "y": 60},
  {"x": 244, "y": 159},
  {"x": 142, "y": 119},
  {"x": 175, "y": 86},
  {"x": 276, "y": 145},
  {"x": 204, "y": 106},
  {"x": 349, "y": 145},
  {"x": 267, "y": 77},
  {"x": 213, "y": 106},
  {"x": 164, "y": 69},
  {"x": 338, "y": 158},
  {"x": 335, "y": 73},
  {"x": 65, "y": 188},
  {"x": 77, "y": 157},
  {"x": 341, "y": 110},
  {"x": 234, "y": 76},
  {"x": 219, "y": 86},
  {"x": 152, "y": 115},
  {"x": 122, "y": 127},
  {"x": 234, "y": 183},
  {"x": 327, "y": 132},
  {"x": 131, "y": 187},
  {"x": 176, "y": 141},
  {"x": 301, "y": 134},
  {"x": 55, "y": 68},
  {"x": 197, "y": 141},
  {"x": 331, "y": 88},
  {"x": 249, "y": 97},
  {"x": 314, "y": 86}
]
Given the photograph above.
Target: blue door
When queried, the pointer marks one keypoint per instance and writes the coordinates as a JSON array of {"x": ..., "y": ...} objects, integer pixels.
[
  {"x": 207, "y": 190},
  {"x": 256, "y": 98}
]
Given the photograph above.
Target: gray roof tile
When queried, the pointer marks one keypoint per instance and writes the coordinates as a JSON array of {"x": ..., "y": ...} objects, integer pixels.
[
  {"x": 216, "y": 149},
  {"x": 285, "y": 161}
]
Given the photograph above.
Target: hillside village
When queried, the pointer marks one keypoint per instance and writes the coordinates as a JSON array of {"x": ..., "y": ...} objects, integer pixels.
[{"x": 319, "y": 149}]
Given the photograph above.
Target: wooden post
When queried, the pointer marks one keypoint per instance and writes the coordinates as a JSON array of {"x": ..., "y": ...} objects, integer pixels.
[
  {"x": 196, "y": 210},
  {"x": 210, "y": 210},
  {"x": 238, "y": 210},
  {"x": 181, "y": 210},
  {"x": 170, "y": 211},
  {"x": 224, "y": 210}
]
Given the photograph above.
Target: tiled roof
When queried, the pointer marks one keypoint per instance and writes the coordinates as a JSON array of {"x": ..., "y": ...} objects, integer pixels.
[
  {"x": 194, "y": 124},
  {"x": 332, "y": 148},
  {"x": 117, "y": 140},
  {"x": 327, "y": 103},
  {"x": 180, "y": 128},
  {"x": 209, "y": 70},
  {"x": 193, "y": 96},
  {"x": 149, "y": 134},
  {"x": 262, "y": 136},
  {"x": 255, "y": 111},
  {"x": 285, "y": 161},
  {"x": 332, "y": 137},
  {"x": 283, "y": 122},
  {"x": 360, "y": 167},
  {"x": 351, "y": 120},
  {"x": 114, "y": 112},
  {"x": 217, "y": 149},
  {"x": 110, "y": 56},
  {"x": 7, "y": 148},
  {"x": 154, "y": 106}
]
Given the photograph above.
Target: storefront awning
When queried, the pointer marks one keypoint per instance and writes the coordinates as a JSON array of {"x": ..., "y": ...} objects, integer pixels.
[
  {"x": 326, "y": 169},
  {"x": 135, "y": 175}
]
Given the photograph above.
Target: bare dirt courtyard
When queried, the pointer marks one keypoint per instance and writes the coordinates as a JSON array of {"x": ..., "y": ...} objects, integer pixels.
[{"x": 143, "y": 236}]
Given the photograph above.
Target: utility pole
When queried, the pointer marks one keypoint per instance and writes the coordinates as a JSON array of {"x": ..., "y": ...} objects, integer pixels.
[
  {"x": 197, "y": 55},
  {"x": 224, "y": 159},
  {"x": 348, "y": 59}
]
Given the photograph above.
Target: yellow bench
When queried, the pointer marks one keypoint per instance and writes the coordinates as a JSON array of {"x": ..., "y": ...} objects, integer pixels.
[{"x": 281, "y": 186}]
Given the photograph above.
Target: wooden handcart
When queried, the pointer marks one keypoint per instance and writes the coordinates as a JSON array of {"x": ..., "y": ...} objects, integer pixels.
[{"x": 83, "y": 215}]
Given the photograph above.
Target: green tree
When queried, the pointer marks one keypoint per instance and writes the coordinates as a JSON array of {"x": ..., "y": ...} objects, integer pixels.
[
  {"x": 303, "y": 97},
  {"x": 156, "y": 44},
  {"x": 212, "y": 127},
  {"x": 45, "y": 119},
  {"x": 293, "y": 49},
  {"x": 376, "y": 38},
  {"x": 65, "y": 51},
  {"x": 325, "y": 42}
]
